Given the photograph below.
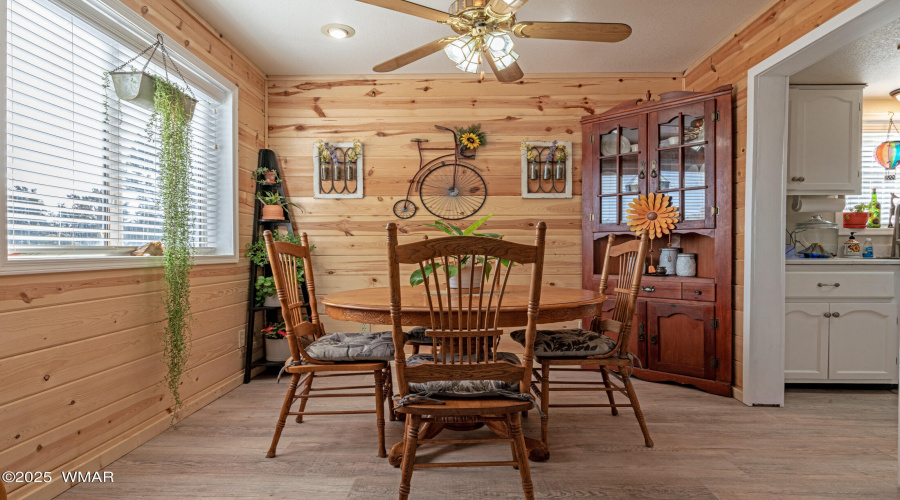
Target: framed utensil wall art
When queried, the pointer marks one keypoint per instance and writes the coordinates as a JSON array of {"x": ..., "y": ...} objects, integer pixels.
[
  {"x": 546, "y": 169},
  {"x": 337, "y": 170}
]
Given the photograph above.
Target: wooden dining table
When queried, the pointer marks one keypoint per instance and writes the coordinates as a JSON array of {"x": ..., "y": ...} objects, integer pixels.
[{"x": 372, "y": 306}]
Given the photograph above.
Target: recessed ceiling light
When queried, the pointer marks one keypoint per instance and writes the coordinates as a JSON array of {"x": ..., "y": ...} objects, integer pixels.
[
  {"x": 338, "y": 30},
  {"x": 896, "y": 94}
]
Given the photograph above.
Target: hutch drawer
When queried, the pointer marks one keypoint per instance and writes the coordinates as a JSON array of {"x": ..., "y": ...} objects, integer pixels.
[{"x": 698, "y": 291}]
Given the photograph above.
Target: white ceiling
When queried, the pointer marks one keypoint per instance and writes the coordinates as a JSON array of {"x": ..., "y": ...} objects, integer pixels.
[
  {"x": 283, "y": 37},
  {"x": 873, "y": 59}
]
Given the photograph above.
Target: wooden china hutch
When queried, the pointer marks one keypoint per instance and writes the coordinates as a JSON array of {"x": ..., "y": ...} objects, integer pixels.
[{"x": 679, "y": 145}]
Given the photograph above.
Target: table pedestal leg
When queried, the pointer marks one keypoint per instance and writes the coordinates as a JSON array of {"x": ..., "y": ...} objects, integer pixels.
[
  {"x": 429, "y": 430},
  {"x": 537, "y": 451}
]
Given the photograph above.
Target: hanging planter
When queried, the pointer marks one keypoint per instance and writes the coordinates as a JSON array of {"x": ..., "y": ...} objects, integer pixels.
[
  {"x": 139, "y": 87},
  {"x": 169, "y": 127}
]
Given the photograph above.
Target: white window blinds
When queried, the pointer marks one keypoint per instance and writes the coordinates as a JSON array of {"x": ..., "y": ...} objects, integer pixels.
[
  {"x": 874, "y": 133},
  {"x": 81, "y": 175}
]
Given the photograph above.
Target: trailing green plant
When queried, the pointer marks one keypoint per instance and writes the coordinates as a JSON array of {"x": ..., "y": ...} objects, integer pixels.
[
  {"x": 265, "y": 287},
  {"x": 256, "y": 251},
  {"x": 416, "y": 278},
  {"x": 170, "y": 126},
  {"x": 860, "y": 208},
  {"x": 260, "y": 175}
]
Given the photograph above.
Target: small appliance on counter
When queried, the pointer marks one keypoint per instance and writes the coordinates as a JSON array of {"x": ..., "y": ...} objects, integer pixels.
[{"x": 816, "y": 238}]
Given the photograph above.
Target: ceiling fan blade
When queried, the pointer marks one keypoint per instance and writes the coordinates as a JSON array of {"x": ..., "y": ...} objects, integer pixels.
[
  {"x": 508, "y": 74},
  {"x": 410, "y": 8},
  {"x": 503, "y": 8},
  {"x": 586, "y": 32},
  {"x": 413, "y": 55}
]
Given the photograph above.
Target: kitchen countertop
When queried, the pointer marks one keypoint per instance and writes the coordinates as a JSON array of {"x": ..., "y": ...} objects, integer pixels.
[{"x": 842, "y": 261}]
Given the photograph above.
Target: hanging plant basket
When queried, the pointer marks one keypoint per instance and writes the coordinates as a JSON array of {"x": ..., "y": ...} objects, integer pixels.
[{"x": 139, "y": 89}]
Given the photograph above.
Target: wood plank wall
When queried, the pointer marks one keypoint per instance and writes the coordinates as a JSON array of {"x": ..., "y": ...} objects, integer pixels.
[
  {"x": 386, "y": 112},
  {"x": 80, "y": 353},
  {"x": 777, "y": 25}
]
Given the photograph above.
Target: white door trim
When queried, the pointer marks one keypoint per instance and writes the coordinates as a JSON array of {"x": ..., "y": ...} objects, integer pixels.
[{"x": 767, "y": 107}]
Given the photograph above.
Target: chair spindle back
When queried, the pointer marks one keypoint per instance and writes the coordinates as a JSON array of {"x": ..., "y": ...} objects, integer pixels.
[
  {"x": 465, "y": 329},
  {"x": 631, "y": 256}
]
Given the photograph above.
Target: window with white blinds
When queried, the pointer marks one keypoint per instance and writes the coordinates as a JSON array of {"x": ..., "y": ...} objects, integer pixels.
[
  {"x": 81, "y": 174},
  {"x": 874, "y": 133}
]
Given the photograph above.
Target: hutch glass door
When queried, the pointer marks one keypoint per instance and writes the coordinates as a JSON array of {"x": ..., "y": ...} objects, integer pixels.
[
  {"x": 682, "y": 163},
  {"x": 621, "y": 172}
]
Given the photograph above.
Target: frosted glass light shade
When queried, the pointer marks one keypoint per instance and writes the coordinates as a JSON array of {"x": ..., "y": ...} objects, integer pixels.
[
  {"x": 464, "y": 52},
  {"x": 500, "y": 47}
]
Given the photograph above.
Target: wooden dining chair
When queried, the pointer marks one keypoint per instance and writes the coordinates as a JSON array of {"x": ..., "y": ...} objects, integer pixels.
[
  {"x": 314, "y": 354},
  {"x": 560, "y": 350},
  {"x": 464, "y": 378}
]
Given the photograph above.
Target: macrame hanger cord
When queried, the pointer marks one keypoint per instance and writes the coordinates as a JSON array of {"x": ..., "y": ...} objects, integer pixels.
[{"x": 891, "y": 126}]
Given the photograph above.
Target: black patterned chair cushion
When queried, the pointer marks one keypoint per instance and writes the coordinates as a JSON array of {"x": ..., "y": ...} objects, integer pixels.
[
  {"x": 568, "y": 343},
  {"x": 463, "y": 388},
  {"x": 417, "y": 336},
  {"x": 374, "y": 346}
]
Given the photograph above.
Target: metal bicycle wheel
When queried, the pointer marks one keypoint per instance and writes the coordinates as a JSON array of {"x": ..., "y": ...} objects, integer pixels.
[
  {"x": 405, "y": 209},
  {"x": 450, "y": 197}
]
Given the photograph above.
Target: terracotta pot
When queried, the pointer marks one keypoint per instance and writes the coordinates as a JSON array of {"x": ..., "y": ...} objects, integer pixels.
[
  {"x": 272, "y": 212},
  {"x": 270, "y": 177},
  {"x": 277, "y": 350},
  {"x": 855, "y": 220}
]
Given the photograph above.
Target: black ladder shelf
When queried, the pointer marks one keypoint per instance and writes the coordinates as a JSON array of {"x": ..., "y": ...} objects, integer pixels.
[{"x": 269, "y": 315}]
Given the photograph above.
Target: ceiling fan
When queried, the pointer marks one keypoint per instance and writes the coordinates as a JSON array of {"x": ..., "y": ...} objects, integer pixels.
[{"x": 483, "y": 29}]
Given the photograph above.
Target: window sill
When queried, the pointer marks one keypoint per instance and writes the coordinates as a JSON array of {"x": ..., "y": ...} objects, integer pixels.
[
  {"x": 869, "y": 231},
  {"x": 46, "y": 264}
]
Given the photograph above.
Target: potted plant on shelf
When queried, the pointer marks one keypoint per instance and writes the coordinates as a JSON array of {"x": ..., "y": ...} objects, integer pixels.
[
  {"x": 274, "y": 205},
  {"x": 266, "y": 176},
  {"x": 470, "y": 270},
  {"x": 277, "y": 347},
  {"x": 256, "y": 251},
  {"x": 857, "y": 217},
  {"x": 266, "y": 293}
]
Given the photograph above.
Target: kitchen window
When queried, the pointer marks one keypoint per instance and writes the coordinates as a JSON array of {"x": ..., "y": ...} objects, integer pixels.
[
  {"x": 80, "y": 172},
  {"x": 874, "y": 133}
]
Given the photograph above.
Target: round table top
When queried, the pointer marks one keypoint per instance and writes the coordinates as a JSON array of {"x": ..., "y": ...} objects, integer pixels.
[{"x": 372, "y": 305}]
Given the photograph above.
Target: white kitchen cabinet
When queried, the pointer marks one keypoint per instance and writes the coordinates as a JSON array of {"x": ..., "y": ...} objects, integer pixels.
[
  {"x": 841, "y": 324},
  {"x": 862, "y": 341},
  {"x": 825, "y": 139},
  {"x": 806, "y": 341}
]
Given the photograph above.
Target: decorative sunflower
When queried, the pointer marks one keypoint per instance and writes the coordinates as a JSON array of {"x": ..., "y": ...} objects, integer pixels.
[
  {"x": 652, "y": 212},
  {"x": 470, "y": 140}
]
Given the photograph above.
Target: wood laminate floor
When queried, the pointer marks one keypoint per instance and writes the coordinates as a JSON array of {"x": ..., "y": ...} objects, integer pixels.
[{"x": 822, "y": 444}]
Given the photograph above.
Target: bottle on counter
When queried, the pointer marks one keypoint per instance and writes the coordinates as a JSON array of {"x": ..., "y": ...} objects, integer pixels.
[
  {"x": 868, "y": 252},
  {"x": 874, "y": 211},
  {"x": 852, "y": 248}
]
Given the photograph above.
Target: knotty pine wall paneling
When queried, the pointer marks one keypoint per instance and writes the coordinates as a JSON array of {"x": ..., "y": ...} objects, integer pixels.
[
  {"x": 80, "y": 353},
  {"x": 386, "y": 112},
  {"x": 774, "y": 27}
]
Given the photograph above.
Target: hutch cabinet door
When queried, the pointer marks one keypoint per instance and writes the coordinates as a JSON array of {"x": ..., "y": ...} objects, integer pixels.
[
  {"x": 681, "y": 338},
  {"x": 806, "y": 341},
  {"x": 863, "y": 341},
  {"x": 619, "y": 174},
  {"x": 682, "y": 141}
]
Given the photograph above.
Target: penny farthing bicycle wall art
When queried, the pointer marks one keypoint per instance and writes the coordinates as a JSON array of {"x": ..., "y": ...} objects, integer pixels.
[{"x": 447, "y": 187}]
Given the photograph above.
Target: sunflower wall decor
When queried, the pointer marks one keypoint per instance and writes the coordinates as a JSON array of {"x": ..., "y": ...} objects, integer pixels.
[
  {"x": 653, "y": 212},
  {"x": 470, "y": 138}
]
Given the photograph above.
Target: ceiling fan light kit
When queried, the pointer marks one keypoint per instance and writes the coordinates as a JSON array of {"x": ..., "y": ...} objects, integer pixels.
[{"x": 484, "y": 31}]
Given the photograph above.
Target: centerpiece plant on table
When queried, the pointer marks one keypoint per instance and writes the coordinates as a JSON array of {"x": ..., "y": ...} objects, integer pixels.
[{"x": 457, "y": 279}]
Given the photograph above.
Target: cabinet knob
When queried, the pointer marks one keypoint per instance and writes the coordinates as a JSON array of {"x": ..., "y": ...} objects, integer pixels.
[
  {"x": 801, "y": 179},
  {"x": 794, "y": 178},
  {"x": 698, "y": 292},
  {"x": 653, "y": 339},
  {"x": 653, "y": 169},
  {"x": 648, "y": 288},
  {"x": 827, "y": 315},
  {"x": 820, "y": 285},
  {"x": 641, "y": 332},
  {"x": 641, "y": 175},
  {"x": 835, "y": 315}
]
